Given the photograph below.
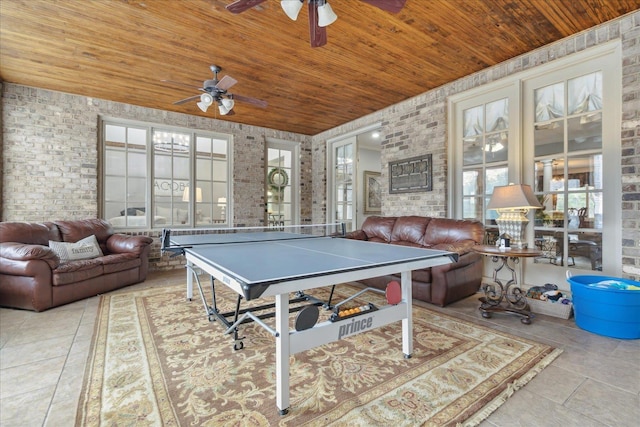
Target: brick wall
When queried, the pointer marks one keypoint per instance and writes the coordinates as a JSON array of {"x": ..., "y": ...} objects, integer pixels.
[
  {"x": 50, "y": 157},
  {"x": 419, "y": 126}
]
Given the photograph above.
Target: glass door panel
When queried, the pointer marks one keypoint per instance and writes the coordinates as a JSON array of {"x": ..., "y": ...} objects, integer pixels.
[
  {"x": 343, "y": 181},
  {"x": 485, "y": 152},
  {"x": 568, "y": 172},
  {"x": 280, "y": 180}
]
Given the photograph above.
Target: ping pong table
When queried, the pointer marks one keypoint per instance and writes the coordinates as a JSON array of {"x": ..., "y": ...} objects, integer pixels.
[{"x": 277, "y": 263}]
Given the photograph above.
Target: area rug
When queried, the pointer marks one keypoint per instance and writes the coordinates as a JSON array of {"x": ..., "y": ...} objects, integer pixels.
[{"x": 156, "y": 360}]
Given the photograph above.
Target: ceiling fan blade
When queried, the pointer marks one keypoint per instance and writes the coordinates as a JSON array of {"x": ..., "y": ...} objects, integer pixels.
[
  {"x": 317, "y": 34},
  {"x": 184, "y": 101},
  {"x": 242, "y": 5},
  {"x": 226, "y": 82},
  {"x": 393, "y": 6},
  {"x": 230, "y": 113},
  {"x": 254, "y": 101}
]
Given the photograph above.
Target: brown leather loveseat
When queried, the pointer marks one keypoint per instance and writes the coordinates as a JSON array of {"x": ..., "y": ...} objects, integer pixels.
[
  {"x": 439, "y": 285},
  {"x": 33, "y": 277}
]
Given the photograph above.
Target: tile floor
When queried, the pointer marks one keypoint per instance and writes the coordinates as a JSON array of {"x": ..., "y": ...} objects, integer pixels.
[{"x": 595, "y": 382}]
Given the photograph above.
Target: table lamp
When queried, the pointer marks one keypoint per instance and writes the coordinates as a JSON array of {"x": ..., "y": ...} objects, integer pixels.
[
  {"x": 222, "y": 202},
  {"x": 513, "y": 202}
]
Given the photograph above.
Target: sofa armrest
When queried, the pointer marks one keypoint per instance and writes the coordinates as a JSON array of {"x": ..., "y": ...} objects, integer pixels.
[
  {"x": 462, "y": 247},
  {"x": 357, "y": 235},
  {"x": 24, "y": 252},
  {"x": 121, "y": 243}
]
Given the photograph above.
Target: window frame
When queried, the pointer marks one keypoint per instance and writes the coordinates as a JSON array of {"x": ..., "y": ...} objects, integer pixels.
[
  {"x": 508, "y": 90},
  {"x": 150, "y": 202}
]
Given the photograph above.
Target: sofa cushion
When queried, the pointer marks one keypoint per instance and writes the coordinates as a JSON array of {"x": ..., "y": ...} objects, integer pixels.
[
  {"x": 120, "y": 262},
  {"x": 445, "y": 230},
  {"x": 77, "y": 271},
  {"x": 72, "y": 231},
  {"x": 409, "y": 230},
  {"x": 86, "y": 248},
  {"x": 31, "y": 233},
  {"x": 378, "y": 229}
]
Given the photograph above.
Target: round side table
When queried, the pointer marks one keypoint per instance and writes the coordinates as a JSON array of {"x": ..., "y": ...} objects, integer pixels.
[{"x": 506, "y": 297}]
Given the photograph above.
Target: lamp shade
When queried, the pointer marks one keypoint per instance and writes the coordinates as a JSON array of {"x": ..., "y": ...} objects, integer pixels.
[
  {"x": 185, "y": 194},
  {"x": 326, "y": 15},
  {"x": 513, "y": 196},
  {"x": 291, "y": 8},
  {"x": 205, "y": 101}
]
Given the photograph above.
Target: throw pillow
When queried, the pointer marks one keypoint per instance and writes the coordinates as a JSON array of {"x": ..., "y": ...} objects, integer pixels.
[
  {"x": 86, "y": 248},
  {"x": 162, "y": 211},
  {"x": 182, "y": 215}
]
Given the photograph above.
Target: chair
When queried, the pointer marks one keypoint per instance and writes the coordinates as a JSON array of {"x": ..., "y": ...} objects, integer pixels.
[
  {"x": 582, "y": 216},
  {"x": 276, "y": 220},
  {"x": 578, "y": 248}
]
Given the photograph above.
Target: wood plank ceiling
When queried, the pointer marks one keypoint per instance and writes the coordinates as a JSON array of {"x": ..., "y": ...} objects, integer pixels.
[{"x": 120, "y": 50}]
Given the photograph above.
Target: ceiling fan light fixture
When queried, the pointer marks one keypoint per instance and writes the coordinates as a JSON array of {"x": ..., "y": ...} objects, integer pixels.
[
  {"x": 205, "y": 101},
  {"x": 292, "y": 8},
  {"x": 225, "y": 106},
  {"x": 326, "y": 15},
  {"x": 228, "y": 103}
]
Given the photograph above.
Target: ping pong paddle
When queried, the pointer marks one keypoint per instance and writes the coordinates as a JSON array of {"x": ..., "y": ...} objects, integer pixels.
[
  {"x": 393, "y": 293},
  {"x": 307, "y": 317}
]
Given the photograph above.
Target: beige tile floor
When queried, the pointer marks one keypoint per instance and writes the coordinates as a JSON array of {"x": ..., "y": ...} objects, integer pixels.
[{"x": 595, "y": 382}]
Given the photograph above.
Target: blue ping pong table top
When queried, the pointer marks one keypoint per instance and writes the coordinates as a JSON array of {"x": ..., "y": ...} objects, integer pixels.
[{"x": 264, "y": 259}]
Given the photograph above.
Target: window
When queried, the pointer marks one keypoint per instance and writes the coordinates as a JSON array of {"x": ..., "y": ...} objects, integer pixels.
[
  {"x": 158, "y": 176},
  {"x": 554, "y": 128},
  {"x": 485, "y": 142},
  {"x": 569, "y": 171}
]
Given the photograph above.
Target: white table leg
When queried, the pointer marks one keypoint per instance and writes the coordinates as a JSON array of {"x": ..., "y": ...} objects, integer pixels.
[
  {"x": 190, "y": 273},
  {"x": 282, "y": 353},
  {"x": 407, "y": 323}
]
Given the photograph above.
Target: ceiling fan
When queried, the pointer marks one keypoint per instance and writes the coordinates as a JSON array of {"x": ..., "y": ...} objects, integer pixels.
[
  {"x": 320, "y": 13},
  {"x": 217, "y": 91}
]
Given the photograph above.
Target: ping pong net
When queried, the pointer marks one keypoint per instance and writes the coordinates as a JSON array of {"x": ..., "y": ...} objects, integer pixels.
[{"x": 175, "y": 241}]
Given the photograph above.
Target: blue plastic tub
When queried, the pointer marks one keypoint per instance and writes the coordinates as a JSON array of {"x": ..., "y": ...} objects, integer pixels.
[{"x": 606, "y": 310}]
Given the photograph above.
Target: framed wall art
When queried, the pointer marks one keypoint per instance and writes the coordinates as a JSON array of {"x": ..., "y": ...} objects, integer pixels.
[
  {"x": 410, "y": 175},
  {"x": 372, "y": 193}
]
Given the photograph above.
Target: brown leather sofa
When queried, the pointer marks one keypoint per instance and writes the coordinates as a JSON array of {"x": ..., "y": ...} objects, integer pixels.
[
  {"x": 439, "y": 285},
  {"x": 33, "y": 277}
]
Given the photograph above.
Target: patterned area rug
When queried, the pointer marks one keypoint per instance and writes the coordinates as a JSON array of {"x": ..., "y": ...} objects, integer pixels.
[{"x": 157, "y": 360}]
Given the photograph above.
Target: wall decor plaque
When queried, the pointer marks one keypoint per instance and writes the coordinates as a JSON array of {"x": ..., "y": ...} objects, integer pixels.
[{"x": 410, "y": 175}]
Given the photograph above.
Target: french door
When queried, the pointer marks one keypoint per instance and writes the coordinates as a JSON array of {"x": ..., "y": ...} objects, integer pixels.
[
  {"x": 281, "y": 192},
  {"x": 342, "y": 158}
]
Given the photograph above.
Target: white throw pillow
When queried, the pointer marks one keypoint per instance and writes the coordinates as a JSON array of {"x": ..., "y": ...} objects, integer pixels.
[
  {"x": 86, "y": 248},
  {"x": 182, "y": 215}
]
